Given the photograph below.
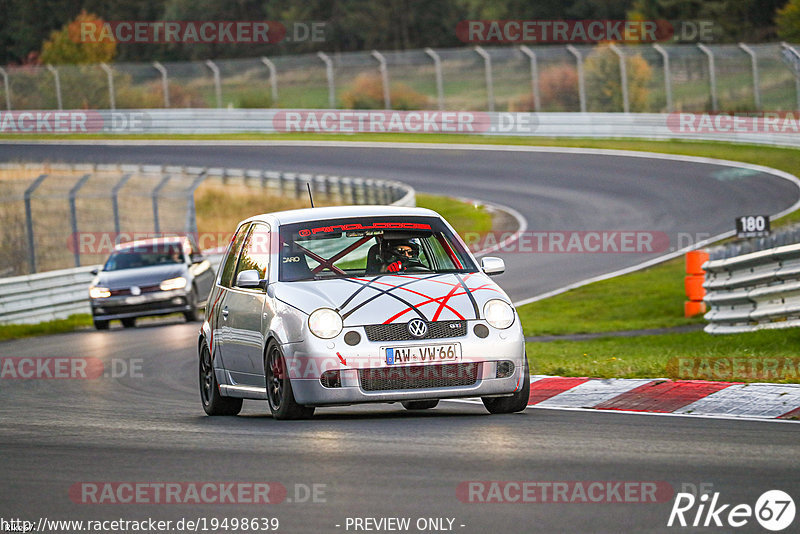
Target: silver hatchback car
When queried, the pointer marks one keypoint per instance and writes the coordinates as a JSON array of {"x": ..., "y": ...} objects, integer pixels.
[{"x": 346, "y": 305}]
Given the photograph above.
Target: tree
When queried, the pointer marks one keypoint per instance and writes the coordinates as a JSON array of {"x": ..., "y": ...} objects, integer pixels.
[
  {"x": 788, "y": 20},
  {"x": 604, "y": 85},
  {"x": 69, "y": 46}
]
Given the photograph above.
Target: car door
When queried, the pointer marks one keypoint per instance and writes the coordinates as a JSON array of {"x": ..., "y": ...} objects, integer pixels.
[
  {"x": 216, "y": 310},
  {"x": 244, "y": 345}
]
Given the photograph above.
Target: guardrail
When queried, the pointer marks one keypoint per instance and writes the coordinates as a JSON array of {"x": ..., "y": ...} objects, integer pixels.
[
  {"x": 51, "y": 295},
  {"x": 780, "y": 129},
  {"x": 60, "y": 293},
  {"x": 755, "y": 291}
]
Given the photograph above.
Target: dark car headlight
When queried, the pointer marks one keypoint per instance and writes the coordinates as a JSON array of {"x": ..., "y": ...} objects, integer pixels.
[
  {"x": 96, "y": 292},
  {"x": 173, "y": 283}
]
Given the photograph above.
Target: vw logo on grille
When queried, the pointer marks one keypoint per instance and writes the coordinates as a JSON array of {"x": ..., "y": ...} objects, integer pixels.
[
  {"x": 136, "y": 290},
  {"x": 417, "y": 328}
]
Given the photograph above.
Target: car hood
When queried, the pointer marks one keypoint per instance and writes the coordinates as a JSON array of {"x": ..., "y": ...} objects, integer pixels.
[
  {"x": 395, "y": 298},
  {"x": 140, "y": 276}
]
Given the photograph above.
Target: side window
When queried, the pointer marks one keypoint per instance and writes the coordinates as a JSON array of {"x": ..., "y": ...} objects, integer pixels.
[
  {"x": 255, "y": 253},
  {"x": 226, "y": 277}
]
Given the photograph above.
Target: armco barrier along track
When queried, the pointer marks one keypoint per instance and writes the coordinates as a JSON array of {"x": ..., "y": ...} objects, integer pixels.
[
  {"x": 61, "y": 293},
  {"x": 754, "y": 291}
]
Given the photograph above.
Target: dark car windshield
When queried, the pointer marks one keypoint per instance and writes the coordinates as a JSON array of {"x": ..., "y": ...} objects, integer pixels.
[
  {"x": 144, "y": 256},
  {"x": 369, "y": 246}
]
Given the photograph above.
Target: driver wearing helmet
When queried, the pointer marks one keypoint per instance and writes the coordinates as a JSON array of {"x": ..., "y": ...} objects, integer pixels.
[{"x": 399, "y": 255}]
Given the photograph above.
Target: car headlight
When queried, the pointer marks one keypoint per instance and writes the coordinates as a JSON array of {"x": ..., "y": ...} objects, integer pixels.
[
  {"x": 498, "y": 313},
  {"x": 99, "y": 292},
  {"x": 325, "y": 323},
  {"x": 173, "y": 283}
]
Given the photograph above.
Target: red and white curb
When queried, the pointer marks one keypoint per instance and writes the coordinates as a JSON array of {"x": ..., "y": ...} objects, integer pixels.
[{"x": 664, "y": 396}]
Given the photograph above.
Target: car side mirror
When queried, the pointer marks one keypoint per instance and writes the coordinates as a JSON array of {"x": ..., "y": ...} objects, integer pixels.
[
  {"x": 248, "y": 279},
  {"x": 95, "y": 271},
  {"x": 491, "y": 265},
  {"x": 196, "y": 257}
]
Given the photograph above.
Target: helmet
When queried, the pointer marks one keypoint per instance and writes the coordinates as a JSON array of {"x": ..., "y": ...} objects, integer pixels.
[{"x": 401, "y": 251}]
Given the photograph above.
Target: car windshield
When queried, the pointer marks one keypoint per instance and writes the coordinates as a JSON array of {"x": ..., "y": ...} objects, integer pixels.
[
  {"x": 370, "y": 246},
  {"x": 144, "y": 256}
]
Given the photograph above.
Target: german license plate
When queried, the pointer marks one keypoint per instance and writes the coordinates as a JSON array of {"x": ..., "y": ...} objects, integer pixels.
[
  {"x": 450, "y": 352},
  {"x": 135, "y": 300}
]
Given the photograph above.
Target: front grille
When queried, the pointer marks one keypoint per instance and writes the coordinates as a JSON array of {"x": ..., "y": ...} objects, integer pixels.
[
  {"x": 399, "y": 331},
  {"x": 419, "y": 377},
  {"x": 127, "y": 290}
]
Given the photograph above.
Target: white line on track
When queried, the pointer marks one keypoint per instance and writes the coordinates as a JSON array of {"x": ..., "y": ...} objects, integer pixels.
[{"x": 629, "y": 412}]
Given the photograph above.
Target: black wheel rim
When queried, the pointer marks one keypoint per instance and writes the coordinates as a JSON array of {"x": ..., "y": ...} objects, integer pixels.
[
  {"x": 206, "y": 376},
  {"x": 275, "y": 378}
]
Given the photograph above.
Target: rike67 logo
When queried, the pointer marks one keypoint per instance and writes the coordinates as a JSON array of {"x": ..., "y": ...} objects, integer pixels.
[{"x": 774, "y": 510}]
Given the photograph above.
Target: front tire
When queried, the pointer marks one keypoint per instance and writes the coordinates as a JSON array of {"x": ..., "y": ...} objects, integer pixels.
[
  {"x": 420, "y": 405},
  {"x": 279, "y": 387},
  {"x": 213, "y": 402},
  {"x": 191, "y": 315},
  {"x": 100, "y": 324},
  {"x": 129, "y": 322},
  {"x": 516, "y": 402}
]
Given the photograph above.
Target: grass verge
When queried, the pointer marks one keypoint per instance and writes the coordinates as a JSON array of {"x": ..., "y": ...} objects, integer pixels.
[
  {"x": 59, "y": 326},
  {"x": 744, "y": 357},
  {"x": 651, "y": 298}
]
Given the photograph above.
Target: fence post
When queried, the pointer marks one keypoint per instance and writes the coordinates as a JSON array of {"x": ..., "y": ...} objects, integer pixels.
[
  {"x": 329, "y": 74},
  {"x": 29, "y": 221},
  {"x": 6, "y": 88},
  {"x": 156, "y": 190},
  {"x": 164, "y": 81},
  {"x": 487, "y": 67},
  {"x": 387, "y": 95},
  {"x": 191, "y": 214},
  {"x": 217, "y": 83},
  {"x": 581, "y": 85},
  {"x": 667, "y": 78},
  {"x": 754, "y": 65},
  {"x": 711, "y": 74},
  {"x": 537, "y": 102},
  {"x": 115, "y": 200},
  {"x": 73, "y": 216},
  {"x": 623, "y": 77},
  {"x": 273, "y": 78},
  {"x": 57, "y": 79},
  {"x": 110, "y": 76},
  {"x": 437, "y": 65},
  {"x": 795, "y": 71}
]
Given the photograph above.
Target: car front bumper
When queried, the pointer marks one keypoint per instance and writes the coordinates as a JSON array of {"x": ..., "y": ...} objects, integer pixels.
[
  {"x": 366, "y": 367},
  {"x": 155, "y": 303}
]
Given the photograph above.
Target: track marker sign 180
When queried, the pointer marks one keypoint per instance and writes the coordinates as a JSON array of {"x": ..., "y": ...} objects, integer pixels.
[{"x": 752, "y": 226}]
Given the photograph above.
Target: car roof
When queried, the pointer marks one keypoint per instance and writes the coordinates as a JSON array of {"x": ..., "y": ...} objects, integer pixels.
[{"x": 341, "y": 212}]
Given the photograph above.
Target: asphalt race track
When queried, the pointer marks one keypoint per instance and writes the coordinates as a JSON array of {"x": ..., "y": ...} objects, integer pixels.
[
  {"x": 146, "y": 424},
  {"x": 554, "y": 192}
]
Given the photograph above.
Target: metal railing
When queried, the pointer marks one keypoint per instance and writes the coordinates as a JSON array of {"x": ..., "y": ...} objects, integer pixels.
[
  {"x": 754, "y": 291},
  {"x": 54, "y": 216},
  {"x": 608, "y": 78},
  {"x": 61, "y": 293}
]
